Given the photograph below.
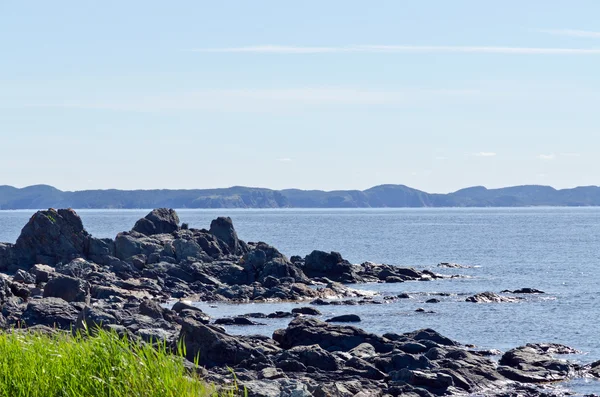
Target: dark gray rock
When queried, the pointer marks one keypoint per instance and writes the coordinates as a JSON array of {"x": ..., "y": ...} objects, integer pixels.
[
  {"x": 309, "y": 331},
  {"x": 23, "y": 277},
  {"x": 311, "y": 311},
  {"x": 158, "y": 221},
  {"x": 263, "y": 263},
  {"x": 490, "y": 297},
  {"x": 92, "y": 318},
  {"x": 330, "y": 265},
  {"x": 223, "y": 229},
  {"x": 50, "y": 237},
  {"x": 345, "y": 318},
  {"x": 70, "y": 289},
  {"x": 533, "y": 364},
  {"x": 53, "y": 312},
  {"x": 213, "y": 347},
  {"x": 42, "y": 273},
  {"x": 312, "y": 356},
  {"x": 235, "y": 321}
]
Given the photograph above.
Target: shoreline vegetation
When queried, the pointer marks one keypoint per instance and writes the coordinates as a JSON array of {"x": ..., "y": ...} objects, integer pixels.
[
  {"x": 382, "y": 196},
  {"x": 52, "y": 363},
  {"x": 57, "y": 280}
]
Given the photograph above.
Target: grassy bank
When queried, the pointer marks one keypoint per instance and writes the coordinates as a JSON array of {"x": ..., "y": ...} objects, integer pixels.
[{"x": 37, "y": 365}]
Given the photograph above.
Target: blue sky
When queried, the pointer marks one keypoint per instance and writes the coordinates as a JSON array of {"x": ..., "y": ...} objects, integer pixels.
[{"x": 437, "y": 95}]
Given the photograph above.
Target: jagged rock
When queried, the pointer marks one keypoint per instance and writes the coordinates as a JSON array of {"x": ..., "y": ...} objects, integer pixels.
[
  {"x": 42, "y": 273},
  {"x": 223, "y": 229},
  {"x": 533, "y": 364},
  {"x": 70, "y": 289},
  {"x": 23, "y": 277},
  {"x": 91, "y": 318},
  {"x": 262, "y": 262},
  {"x": 309, "y": 331},
  {"x": 329, "y": 265},
  {"x": 158, "y": 221},
  {"x": 50, "y": 237},
  {"x": 53, "y": 312},
  {"x": 213, "y": 347},
  {"x": 428, "y": 334},
  {"x": 313, "y": 356},
  {"x": 490, "y": 297}
]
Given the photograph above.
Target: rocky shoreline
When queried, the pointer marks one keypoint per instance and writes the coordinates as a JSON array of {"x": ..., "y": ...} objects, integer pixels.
[{"x": 59, "y": 277}]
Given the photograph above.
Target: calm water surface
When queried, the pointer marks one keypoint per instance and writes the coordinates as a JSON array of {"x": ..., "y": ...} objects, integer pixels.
[{"x": 553, "y": 249}]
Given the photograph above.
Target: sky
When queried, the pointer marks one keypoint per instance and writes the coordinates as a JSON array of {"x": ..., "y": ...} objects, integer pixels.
[{"x": 437, "y": 95}]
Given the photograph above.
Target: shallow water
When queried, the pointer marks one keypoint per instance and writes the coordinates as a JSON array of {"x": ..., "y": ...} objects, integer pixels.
[{"x": 553, "y": 249}]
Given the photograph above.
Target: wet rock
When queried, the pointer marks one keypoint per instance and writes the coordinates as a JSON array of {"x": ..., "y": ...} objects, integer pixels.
[
  {"x": 433, "y": 300},
  {"x": 235, "y": 321},
  {"x": 180, "y": 305},
  {"x": 525, "y": 291},
  {"x": 490, "y": 297},
  {"x": 311, "y": 311},
  {"x": 158, "y": 221},
  {"x": 346, "y": 318},
  {"x": 279, "y": 314},
  {"x": 403, "y": 295},
  {"x": 70, "y": 289},
  {"x": 533, "y": 364}
]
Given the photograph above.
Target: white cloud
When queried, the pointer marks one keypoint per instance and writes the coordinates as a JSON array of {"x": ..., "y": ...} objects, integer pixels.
[
  {"x": 572, "y": 33},
  {"x": 284, "y": 49},
  {"x": 285, "y": 159},
  {"x": 546, "y": 156},
  {"x": 253, "y": 100},
  {"x": 485, "y": 154}
]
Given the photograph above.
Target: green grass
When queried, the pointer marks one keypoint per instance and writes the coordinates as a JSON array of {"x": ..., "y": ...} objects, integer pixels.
[{"x": 38, "y": 365}]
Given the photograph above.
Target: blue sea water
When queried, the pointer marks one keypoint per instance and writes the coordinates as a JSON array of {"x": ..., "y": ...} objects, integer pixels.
[{"x": 556, "y": 250}]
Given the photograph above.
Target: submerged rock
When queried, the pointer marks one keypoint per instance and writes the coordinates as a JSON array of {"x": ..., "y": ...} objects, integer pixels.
[{"x": 490, "y": 297}]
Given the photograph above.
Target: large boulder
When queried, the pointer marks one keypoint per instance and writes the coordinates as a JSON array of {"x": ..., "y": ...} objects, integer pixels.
[
  {"x": 70, "y": 289},
  {"x": 158, "y": 221},
  {"x": 222, "y": 228},
  {"x": 51, "y": 237},
  {"x": 533, "y": 364},
  {"x": 213, "y": 347},
  {"x": 53, "y": 312},
  {"x": 330, "y": 265},
  {"x": 264, "y": 261},
  {"x": 306, "y": 331}
]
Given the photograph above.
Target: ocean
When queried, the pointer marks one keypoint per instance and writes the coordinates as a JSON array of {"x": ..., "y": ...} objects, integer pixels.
[{"x": 556, "y": 250}]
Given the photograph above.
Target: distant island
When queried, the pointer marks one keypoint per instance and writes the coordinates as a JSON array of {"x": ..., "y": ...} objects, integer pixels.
[{"x": 383, "y": 196}]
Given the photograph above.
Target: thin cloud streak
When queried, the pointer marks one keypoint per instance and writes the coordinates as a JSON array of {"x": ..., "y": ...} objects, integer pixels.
[
  {"x": 571, "y": 33},
  {"x": 485, "y": 154},
  {"x": 299, "y": 50}
]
